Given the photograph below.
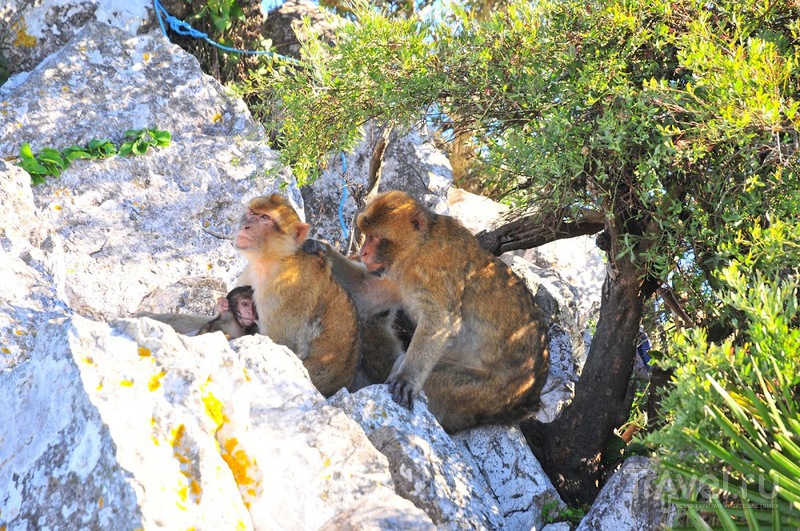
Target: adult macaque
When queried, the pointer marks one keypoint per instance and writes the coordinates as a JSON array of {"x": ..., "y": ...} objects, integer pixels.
[
  {"x": 236, "y": 315},
  {"x": 380, "y": 345},
  {"x": 480, "y": 348},
  {"x": 297, "y": 301}
]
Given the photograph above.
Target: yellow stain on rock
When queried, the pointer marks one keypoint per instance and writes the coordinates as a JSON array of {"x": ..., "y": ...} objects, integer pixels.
[
  {"x": 214, "y": 409},
  {"x": 21, "y": 36},
  {"x": 217, "y": 117},
  {"x": 241, "y": 464},
  {"x": 126, "y": 383},
  {"x": 143, "y": 352},
  {"x": 181, "y": 450},
  {"x": 155, "y": 381}
]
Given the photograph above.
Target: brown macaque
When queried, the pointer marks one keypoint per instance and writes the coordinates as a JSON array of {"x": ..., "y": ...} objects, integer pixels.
[
  {"x": 380, "y": 344},
  {"x": 298, "y": 302},
  {"x": 480, "y": 347},
  {"x": 236, "y": 315}
]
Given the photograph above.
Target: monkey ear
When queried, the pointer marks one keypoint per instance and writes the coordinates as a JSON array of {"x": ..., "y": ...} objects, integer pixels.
[
  {"x": 419, "y": 221},
  {"x": 301, "y": 231}
]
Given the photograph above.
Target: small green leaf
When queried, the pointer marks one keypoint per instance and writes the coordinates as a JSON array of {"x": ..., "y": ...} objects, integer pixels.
[
  {"x": 50, "y": 155},
  {"x": 95, "y": 143},
  {"x": 125, "y": 149},
  {"x": 163, "y": 138},
  {"x": 139, "y": 147},
  {"x": 33, "y": 166},
  {"x": 25, "y": 152},
  {"x": 76, "y": 154}
]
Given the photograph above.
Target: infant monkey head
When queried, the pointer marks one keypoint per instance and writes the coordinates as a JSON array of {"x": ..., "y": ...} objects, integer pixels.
[{"x": 238, "y": 319}]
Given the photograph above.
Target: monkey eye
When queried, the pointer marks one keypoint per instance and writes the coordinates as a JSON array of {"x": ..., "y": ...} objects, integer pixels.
[{"x": 266, "y": 217}]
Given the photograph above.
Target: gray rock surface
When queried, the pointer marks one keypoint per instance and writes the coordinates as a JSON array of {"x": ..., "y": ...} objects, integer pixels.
[
  {"x": 427, "y": 466},
  {"x": 126, "y": 233},
  {"x": 632, "y": 499},
  {"x": 38, "y": 28},
  {"x": 514, "y": 477},
  {"x": 410, "y": 163}
]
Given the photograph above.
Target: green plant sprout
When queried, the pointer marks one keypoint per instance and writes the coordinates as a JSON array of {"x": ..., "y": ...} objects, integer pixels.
[{"x": 51, "y": 162}]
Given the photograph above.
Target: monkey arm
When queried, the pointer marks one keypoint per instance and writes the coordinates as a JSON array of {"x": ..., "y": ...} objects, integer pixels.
[
  {"x": 371, "y": 294},
  {"x": 425, "y": 350}
]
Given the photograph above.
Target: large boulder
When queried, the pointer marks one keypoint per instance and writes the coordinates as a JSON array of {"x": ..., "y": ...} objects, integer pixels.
[
  {"x": 38, "y": 29},
  {"x": 632, "y": 499},
  {"x": 130, "y": 425},
  {"x": 131, "y": 233}
]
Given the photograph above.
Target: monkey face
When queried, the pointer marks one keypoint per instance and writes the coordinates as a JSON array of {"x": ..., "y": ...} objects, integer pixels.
[
  {"x": 256, "y": 228},
  {"x": 394, "y": 225},
  {"x": 375, "y": 254},
  {"x": 245, "y": 311},
  {"x": 270, "y": 227}
]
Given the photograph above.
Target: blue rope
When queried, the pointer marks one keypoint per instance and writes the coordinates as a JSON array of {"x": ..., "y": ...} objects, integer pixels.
[
  {"x": 344, "y": 197},
  {"x": 182, "y": 28}
]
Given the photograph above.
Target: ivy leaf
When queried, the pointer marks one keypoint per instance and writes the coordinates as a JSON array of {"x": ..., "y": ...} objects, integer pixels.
[{"x": 140, "y": 147}]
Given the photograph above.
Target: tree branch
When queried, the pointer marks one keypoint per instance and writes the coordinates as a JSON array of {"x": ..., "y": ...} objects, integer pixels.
[{"x": 532, "y": 231}]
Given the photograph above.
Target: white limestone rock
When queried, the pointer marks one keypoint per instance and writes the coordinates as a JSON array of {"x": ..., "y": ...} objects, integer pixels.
[
  {"x": 632, "y": 499},
  {"x": 557, "y": 526},
  {"x": 129, "y": 233},
  {"x": 426, "y": 464},
  {"x": 131, "y": 425},
  {"x": 32, "y": 268},
  {"x": 515, "y": 478},
  {"x": 475, "y": 212},
  {"x": 580, "y": 263},
  {"x": 567, "y": 349},
  {"x": 42, "y": 27}
]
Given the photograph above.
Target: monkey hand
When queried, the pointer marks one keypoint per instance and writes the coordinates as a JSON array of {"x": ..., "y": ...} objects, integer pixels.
[
  {"x": 401, "y": 390},
  {"x": 314, "y": 247}
]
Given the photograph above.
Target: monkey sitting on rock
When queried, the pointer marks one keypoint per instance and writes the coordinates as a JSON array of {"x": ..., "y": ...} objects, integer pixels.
[{"x": 480, "y": 347}]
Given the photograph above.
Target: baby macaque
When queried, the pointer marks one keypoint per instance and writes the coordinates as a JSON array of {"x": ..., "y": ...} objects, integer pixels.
[{"x": 237, "y": 315}]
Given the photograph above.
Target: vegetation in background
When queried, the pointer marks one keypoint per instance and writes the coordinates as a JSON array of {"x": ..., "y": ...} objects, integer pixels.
[
  {"x": 672, "y": 126},
  {"x": 51, "y": 162},
  {"x": 733, "y": 435}
]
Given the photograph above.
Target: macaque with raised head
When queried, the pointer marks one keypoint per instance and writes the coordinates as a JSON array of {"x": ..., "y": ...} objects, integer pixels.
[
  {"x": 296, "y": 298},
  {"x": 236, "y": 315},
  {"x": 480, "y": 348}
]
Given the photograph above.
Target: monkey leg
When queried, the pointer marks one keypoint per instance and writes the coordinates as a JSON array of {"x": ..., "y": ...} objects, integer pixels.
[{"x": 463, "y": 398}]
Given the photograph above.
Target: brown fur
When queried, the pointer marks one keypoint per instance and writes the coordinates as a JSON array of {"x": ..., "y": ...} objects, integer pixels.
[
  {"x": 298, "y": 302},
  {"x": 480, "y": 349},
  {"x": 183, "y": 323},
  {"x": 380, "y": 345}
]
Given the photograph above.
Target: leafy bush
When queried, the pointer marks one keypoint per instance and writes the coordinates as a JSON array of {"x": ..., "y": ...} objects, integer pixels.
[{"x": 735, "y": 426}]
